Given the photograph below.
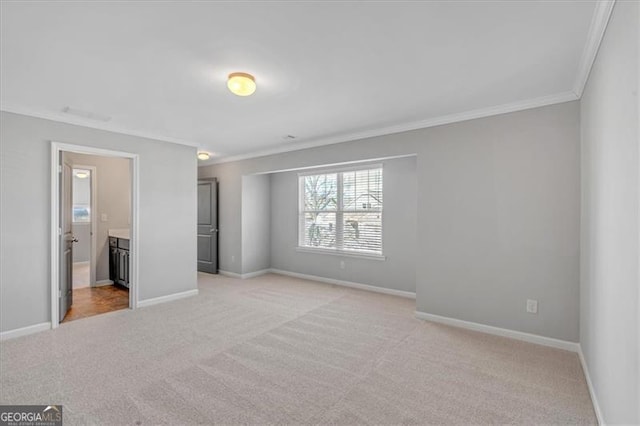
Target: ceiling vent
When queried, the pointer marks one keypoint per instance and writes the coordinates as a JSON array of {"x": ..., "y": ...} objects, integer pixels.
[{"x": 86, "y": 114}]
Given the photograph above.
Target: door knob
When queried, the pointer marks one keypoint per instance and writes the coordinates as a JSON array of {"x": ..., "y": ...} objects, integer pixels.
[
  {"x": 213, "y": 230},
  {"x": 74, "y": 240}
]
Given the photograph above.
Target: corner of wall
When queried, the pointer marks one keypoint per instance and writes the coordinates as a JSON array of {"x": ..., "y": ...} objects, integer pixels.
[{"x": 592, "y": 390}]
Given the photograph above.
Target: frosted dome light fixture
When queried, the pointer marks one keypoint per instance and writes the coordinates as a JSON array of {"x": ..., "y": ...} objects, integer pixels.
[{"x": 241, "y": 84}]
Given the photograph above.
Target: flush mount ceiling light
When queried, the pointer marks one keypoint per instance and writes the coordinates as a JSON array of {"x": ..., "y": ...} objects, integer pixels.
[
  {"x": 81, "y": 174},
  {"x": 203, "y": 156},
  {"x": 241, "y": 83}
]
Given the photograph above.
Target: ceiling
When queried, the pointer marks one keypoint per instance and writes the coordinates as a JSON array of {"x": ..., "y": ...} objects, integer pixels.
[{"x": 326, "y": 72}]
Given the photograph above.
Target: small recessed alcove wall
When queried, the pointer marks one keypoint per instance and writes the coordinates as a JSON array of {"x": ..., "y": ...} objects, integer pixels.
[{"x": 497, "y": 219}]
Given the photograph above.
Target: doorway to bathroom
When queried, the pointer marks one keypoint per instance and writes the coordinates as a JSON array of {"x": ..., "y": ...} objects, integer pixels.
[{"x": 94, "y": 262}]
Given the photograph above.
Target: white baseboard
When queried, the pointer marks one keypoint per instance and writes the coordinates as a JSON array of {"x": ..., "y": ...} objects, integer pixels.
[
  {"x": 592, "y": 392},
  {"x": 244, "y": 276},
  {"x": 255, "y": 274},
  {"x": 169, "y": 298},
  {"x": 359, "y": 286},
  {"x": 18, "y": 332},
  {"x": 229, "y": 274},
  {"x": 504, "y": 332},
  {"x": 103, "y": 283}
]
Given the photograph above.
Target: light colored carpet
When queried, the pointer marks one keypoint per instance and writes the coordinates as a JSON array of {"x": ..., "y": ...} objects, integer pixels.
[{"x": 279, "y": 350}]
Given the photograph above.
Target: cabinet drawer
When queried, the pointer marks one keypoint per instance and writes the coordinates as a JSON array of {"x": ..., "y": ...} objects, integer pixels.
[
  {"x": 113, "y": 242},
  {"x": 123, "y": 244}
]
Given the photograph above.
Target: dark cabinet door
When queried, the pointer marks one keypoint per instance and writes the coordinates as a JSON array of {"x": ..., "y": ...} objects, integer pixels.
[
  {"x": 119, "y": 262},
  {"x": 122, "y": 266},
  {"x": 113, "y": 264},
  {"x": 126, "y": 273}
]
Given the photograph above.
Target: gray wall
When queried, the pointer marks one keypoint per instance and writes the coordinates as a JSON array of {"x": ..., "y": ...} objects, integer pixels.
[
  {"x": 499, "y": 209},
  {"x": 399, "y": 225},
  {"x": 256, "y": 221},
  {"x": 167, "y": 213},
  {"x": 113, "y": 178},
  {"x": 609, "y": 306},
  {"x": 498, "y": 214}
]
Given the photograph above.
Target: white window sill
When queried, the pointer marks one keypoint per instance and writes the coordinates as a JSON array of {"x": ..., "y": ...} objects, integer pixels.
[{"x": 341, "y": 253}]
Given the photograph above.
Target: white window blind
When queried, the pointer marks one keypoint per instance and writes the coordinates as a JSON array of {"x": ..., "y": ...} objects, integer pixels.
[{"x": 342, "y": 211}]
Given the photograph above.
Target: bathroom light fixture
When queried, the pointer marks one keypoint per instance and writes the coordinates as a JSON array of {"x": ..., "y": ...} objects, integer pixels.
[
  {"x": 81, "y": 174},
  {"x": 203, "y": 156},
  {"x": 241, "y": 84}
]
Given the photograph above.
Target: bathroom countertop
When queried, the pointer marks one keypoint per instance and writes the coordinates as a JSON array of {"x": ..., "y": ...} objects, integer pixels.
[{"x": 119, "y": 233}]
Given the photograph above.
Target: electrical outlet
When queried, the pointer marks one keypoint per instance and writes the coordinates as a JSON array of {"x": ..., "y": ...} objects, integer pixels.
[
  {"x": 104, "y": 217},
  {"x": 342, "y": 264},
  {"x": 532, "y": 306}
]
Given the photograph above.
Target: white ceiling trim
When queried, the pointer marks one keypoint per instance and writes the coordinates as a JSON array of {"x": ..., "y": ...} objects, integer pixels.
[
  {"x": 65, "y": 118},
  {"x": 597, "y": 29},
  {"x": 599, "y": 21},
  {"x": 415, "y": 125},
  {"x": 340, "y": 164}
]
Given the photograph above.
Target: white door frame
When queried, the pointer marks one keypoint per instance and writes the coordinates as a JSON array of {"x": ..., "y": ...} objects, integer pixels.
[
  {"x": 94, "y": 221},
  {"x": 56, "y": 149}
]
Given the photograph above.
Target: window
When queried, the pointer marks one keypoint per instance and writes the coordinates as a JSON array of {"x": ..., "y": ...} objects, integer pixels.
[
  {"x": 81, "y": 214},
  {"x": 342, "y": 211}
]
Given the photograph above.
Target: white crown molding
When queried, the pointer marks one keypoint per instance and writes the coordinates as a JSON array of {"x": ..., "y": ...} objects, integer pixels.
[
  {"x": 347, "y": 137},
  {"x": 414, "y": 125},
  {"x": 109, "y": 127},
  {"x": 598, "y": 26}
]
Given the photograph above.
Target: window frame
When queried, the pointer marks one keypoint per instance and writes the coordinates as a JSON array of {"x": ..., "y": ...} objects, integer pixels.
[{"x": 339, "y": 213}]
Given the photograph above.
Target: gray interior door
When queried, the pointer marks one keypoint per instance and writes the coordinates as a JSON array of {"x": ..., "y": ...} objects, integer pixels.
[
  {"x": 65, "y": 294},
  {"x": 208, "y": 226}
]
